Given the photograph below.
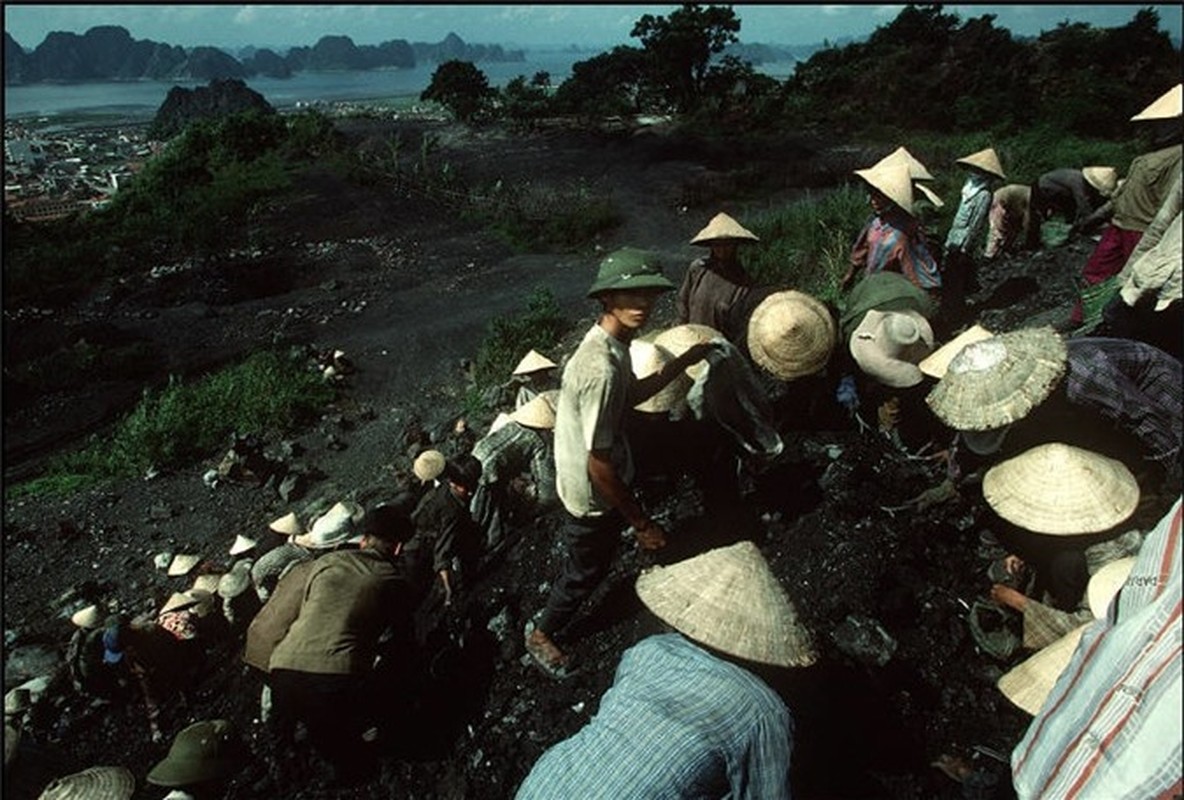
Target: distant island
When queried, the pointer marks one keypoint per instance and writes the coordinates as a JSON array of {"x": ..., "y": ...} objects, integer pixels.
[{"x": 109, "y": 53}]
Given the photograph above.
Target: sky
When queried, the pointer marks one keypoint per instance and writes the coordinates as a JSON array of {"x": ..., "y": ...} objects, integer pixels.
[{"x": 514, "y": 26}]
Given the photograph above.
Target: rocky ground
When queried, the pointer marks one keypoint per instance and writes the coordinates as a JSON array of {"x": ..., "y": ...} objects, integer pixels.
[{"x": 406, "y": 287}]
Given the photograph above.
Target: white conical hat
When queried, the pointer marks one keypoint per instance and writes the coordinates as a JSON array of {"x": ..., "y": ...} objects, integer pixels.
[
  {"x": 681, "y": 338},
  {"x": 200, "y": 600},
  {"x": 937, "y": 362},
  {"x": 1061, "y": 490},
  {"x": 999, "y": 380},
  {"x": 429, "y": 465},
  {"x": 1105, "y": 583},
  {"x": 893, "y": 181},
  {"x": 182, "y": 563},
  {"x": 533, "y": 362},
  {"x": 1104, "y": 179},
  {"x": 334, "y": 527},
  {"x": 1166, "y": 106},
  {"x": 207, "y": 582},
  {"x": 791, "y": 334},
  {"x": 288, "y": 525},
  {"x": 539, "y": 411},
  {"x": 900, "y": 155},
  {"x": 1029, "y": 683},
  {"x": 723, "y": 227},
  {"x": 242, "y": 543},
  {"x": 986, "y": 160},
  {"x": 89, "y": 617},
  {"x": 647, "y": 358},
  {"x": 96, "y": 783},
  {"x": 730, "y": 600}
]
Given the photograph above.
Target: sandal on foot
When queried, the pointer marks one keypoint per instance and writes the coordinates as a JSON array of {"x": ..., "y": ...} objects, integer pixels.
[{"x": 545, "y": 654}]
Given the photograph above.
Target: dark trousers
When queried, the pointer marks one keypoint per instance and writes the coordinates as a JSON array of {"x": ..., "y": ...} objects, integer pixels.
[
  {"x": 590, "y": 544},
  {"x": 1160, "y": 329},
  {"x": 958, "y": 278},
  {"x": 334, "y": 709}
]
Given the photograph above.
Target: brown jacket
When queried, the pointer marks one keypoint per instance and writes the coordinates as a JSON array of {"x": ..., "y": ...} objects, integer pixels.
[{"x": 273, "y": 620}]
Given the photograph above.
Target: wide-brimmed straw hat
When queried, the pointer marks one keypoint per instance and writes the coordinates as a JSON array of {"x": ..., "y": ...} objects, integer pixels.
[
  {"x": 202, "y": 752},
  {"x": 901, "y": 155},
  {"x": 235, "y": 582},
  {"x": 987, "y": 160},
  {"x": 724, "y": 228},
  {"x": 936, "y": 363},
  {"x": 999, "y": 380},
  {"x": 1104, "y": 179},
  {"x": 893, "y": 181},
  {"x": 888, "y": 344},
  {"x": 648, "y": 358},
  {"x": 288, "y": 525},
  {"x": 539, "y": 411},
  {"x": 533, "y": 361},
  {"x": 96, "y": 783},
  {"x": 90, "y": 617},
  {"x": 183, "y": 563},
  {"x": 243, "y": 543},
  {"x": 429, "y": 465},
  {"x": 1105, "y": 583},
  {"x": 681, "y": 338},
  {"x": 1062, "y": 490},
  {"x": 730, "y": 600},
  {"x": 629, "y": 269},
  {"x": 199, "y": 600},
  {"x": 1166, "y": 106},
  {"x": 334, "y": 527},
  {"x": 791, "y": 334},
  {"x": 1029, "y": 683}
]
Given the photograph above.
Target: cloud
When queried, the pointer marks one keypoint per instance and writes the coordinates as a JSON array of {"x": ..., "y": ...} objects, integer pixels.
[{"x": 247, "y": 15}]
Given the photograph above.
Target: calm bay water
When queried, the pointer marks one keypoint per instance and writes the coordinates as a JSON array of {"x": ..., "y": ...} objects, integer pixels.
[{"x": 142, "y": 98}]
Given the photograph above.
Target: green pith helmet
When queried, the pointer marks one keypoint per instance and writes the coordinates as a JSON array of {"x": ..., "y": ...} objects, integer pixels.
[
  {"x": 202, "y": 752},
  {"x": 629, "y": 268}
]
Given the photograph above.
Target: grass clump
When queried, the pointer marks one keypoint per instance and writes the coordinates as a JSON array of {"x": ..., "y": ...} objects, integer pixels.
[
  {"x": 529, "y": 216},
  {"x": 182, "y": 422},
  {"x": 509, "y": 337},
  {"x": 806, "y": 244}
]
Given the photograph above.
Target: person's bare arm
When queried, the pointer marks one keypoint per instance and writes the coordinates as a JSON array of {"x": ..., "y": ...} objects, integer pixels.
[{"x": 609, "y": 485}]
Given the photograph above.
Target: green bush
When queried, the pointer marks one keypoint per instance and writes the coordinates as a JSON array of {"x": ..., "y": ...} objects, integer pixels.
[
  {"x": 183, "y": 422},
  {"x": 806, "y": 245},
  {"x": 530, "y": 216},
  {"x": 509, "y": 337}
]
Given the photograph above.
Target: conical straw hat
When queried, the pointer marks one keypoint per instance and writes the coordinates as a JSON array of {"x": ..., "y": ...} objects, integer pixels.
[
  {"x": 288, "y": 525},
  {"x": 986, "y": 160},
  {"x": 207, "y": 583},
  {"x": 200, "y": 600},
  {"x": 900, "y": 155},
  {"x": 538, "y": 412},
  {"x": 729, "y": 600},
  {"x": 242, "y": 544},
  {"x": 89, "y": 617},
  {"x": 994, "y": 382},
  {"x": 888, "y": 344},
  {"x": 723, "y": 227},
  {"x": 96, "y": 783},
  {"x": 930, "y": 194},
  {"x": 533, "y": 362},
  {"x": 1105, "y": 583},
  {"x": 647, "y": 358},
  {"x": 1104, "y": 179},
  {"x": 429, "y": 465},
  {"x": 893, "y": 181},
  {"x": 1061, "y": 490},
  {"x": 182, "y": 563},
  {"x": 1167, "y": 106},
  {"x": 681, "y": 338},
  {"x": 791, "y": 334},
  {"x": 1029, "y": 683},
  {"x": 936, "y": 363}
]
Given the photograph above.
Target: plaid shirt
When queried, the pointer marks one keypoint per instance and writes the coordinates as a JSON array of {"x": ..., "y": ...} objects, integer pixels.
[
  {"x": 1111, "y": 725},
  {"x": 1133, "y": 384},
  {"x": 677, "y": 723},
  {"x": 513, "y": 449}
]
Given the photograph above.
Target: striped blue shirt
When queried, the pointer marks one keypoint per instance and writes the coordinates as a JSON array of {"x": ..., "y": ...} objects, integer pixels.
[
  {"x": 677, "y": 724},
  {"x": 1111, "y": 726}
]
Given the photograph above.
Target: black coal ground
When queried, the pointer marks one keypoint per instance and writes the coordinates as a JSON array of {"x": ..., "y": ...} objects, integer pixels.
[{"x": 482, "y": 716}]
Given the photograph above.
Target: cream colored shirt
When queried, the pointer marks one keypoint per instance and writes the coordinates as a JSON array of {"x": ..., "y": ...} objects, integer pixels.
[
  {"x": 593, "y": 400},
  {"x": 1155, "y": 265}
]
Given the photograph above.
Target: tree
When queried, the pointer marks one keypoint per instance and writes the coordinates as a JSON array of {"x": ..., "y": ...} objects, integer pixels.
[
  {"x": 607, "y": 84},
  {"x": 523, "y": 102},
  {"x": 679, "y": 49},
  {"x": 461, "y": 88}
]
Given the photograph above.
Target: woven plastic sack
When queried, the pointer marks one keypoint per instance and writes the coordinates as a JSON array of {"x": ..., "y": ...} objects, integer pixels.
[
  {"x": 1093, "y": 299},
  {"x": 1054, "y": 233}
]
